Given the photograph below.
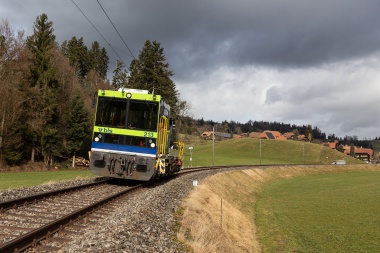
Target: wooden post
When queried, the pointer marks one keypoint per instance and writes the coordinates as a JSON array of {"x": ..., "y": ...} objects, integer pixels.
[{"x": 221, "y": 213}]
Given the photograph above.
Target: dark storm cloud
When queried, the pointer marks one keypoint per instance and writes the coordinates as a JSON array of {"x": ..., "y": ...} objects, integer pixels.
[
  {"x": 255, "y": 59},
  {"x": 197, "y": 34},
  {"x": 273, "y": 33},
  {"x": 277, "y": 33}
]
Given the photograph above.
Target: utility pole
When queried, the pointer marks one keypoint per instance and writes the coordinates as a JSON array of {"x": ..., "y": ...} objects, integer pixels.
[
  {"x": 191, "y": 157},
  {"x": 260, "y": 151},
  {"x": 213, "y": 140},
  {"x": 303, "y": 153}
]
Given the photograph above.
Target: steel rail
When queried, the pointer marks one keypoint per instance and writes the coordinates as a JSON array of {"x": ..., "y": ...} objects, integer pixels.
[
  {"x": 33, "y": 237},
  {"x": 29, "y": 199}
]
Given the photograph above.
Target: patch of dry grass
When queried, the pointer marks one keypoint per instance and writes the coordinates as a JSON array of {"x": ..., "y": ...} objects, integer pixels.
[{"x": 218, "y": 215}]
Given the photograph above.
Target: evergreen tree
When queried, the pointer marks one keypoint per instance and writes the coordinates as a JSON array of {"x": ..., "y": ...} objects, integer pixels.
[
  {"x": 296, "y": 134},
  {"x": 84, "y": 59},
  {"x": 103, "y": 65},
  {"x": 98, "y": 59},
  {"x": 340, "y": 148},
  {"x": 119, "y": 79},
  {"x": 78, "y": 127},
  {"x": 41, "y": 106},
  {"x": 49, "y": 143},
  {"x": 201, "y": 122},
  {"x": 352, "y": 150},
  {"x": 65, "y": 48},
  {"x": 83, "y": 62},
  {"x": 77, "y": 53},
  {"x": 151, "y": 72},
  {"x": 93, "y": 55},
  {"x": 309, "y": 133}
]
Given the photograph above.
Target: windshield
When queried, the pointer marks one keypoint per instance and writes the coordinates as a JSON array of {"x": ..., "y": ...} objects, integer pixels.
[
  {"x": 132, "y": 114},
  {"x": 142, "y": 115},
  {"x": 111, "y": 112}
]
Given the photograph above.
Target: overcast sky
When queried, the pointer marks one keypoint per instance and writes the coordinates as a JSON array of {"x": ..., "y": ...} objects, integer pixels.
[{"x": 292, "y": 61}]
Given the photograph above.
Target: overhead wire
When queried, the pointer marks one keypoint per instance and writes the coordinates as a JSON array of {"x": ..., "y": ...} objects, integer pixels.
[
  {"x": 116, "y": 30},
  {"x": 109, "y": 44}
]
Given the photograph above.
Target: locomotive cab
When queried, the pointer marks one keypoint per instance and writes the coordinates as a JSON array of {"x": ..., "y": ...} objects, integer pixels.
[{"x": 132, "y": 137}]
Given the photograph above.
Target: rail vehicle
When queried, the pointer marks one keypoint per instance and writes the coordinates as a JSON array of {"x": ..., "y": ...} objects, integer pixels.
[{"x": 133, "y": 136}]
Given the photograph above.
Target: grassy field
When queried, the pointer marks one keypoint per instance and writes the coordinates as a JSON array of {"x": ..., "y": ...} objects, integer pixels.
[
  {"x": 250, "y": 151},
  {"x": 285, "y": 209},
  {"x": 25, "y": 179},
  {"x": 323, "y": 213},
  {"x": 229, "y": 152}
]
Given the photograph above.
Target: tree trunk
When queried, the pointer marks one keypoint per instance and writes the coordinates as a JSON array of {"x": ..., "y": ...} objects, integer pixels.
[
  {"x": 2, "y": 130},
  {"x": 73, "y": 165},
  {"x": 33, "y": 152}
]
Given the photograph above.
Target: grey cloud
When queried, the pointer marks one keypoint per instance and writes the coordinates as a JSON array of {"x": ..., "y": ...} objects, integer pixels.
[
  {"x": 273, "y": 95},
  {"x": 291, "y": 38},
  {"x": 197, "y": 34}
]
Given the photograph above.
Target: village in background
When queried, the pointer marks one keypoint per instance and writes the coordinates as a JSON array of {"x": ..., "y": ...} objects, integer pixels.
[{"x": 365, "y": 154}]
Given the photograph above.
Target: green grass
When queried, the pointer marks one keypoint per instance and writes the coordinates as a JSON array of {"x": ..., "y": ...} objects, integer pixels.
[
  {"x": 247, "y": 151},
  {"x": 229, "y": 152},
  {"x": 321, "y": 213},
  {"x": 25, "y": 179}
]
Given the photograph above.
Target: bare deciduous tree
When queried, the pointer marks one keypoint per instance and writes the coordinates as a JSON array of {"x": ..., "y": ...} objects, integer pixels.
[{"x": 13, "y": 65}]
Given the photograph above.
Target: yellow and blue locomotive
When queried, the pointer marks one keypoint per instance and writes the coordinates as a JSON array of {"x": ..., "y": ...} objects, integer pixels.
[{"x": 133, "y": 136}]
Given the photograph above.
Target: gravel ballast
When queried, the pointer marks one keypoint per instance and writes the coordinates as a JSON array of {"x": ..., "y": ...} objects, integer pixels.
[{"x": 145, "y": 223}]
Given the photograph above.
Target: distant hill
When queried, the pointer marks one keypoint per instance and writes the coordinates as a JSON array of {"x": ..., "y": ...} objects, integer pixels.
[
  {"x": 249, "y": 151},
  {"x": 192, "y": 126}
]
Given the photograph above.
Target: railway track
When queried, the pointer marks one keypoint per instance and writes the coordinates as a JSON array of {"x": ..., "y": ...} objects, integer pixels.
[
  {"x": 33, "y": 221},
  {"x": 45, "y": 222}
]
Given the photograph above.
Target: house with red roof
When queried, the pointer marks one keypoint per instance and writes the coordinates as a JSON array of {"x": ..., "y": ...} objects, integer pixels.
[
  {"x": 207, "y": 135},
  {"x": 332, "y": 144},
  {"x": 289, "y": 135},
  {"x": 254, "y": 134},
  {"x": 272, "y": 135},
  {"x": 364, "y": 154},
  {"x": 302, "y": 137}
]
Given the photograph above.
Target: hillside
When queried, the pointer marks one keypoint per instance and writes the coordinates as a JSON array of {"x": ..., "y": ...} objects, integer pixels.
[
  {"x": 247, "y": 151},
  {"x": 222, "y": 214}
]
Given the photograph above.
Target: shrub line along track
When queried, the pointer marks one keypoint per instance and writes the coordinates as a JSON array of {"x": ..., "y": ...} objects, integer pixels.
[{"x": 45, "y": 231}]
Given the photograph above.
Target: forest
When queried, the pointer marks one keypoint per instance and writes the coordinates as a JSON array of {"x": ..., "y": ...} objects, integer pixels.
[{"x": 48, "y": 89}]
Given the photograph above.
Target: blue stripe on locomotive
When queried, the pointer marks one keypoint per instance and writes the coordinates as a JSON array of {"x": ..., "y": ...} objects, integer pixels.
[{"x": 124, "y": 148}]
